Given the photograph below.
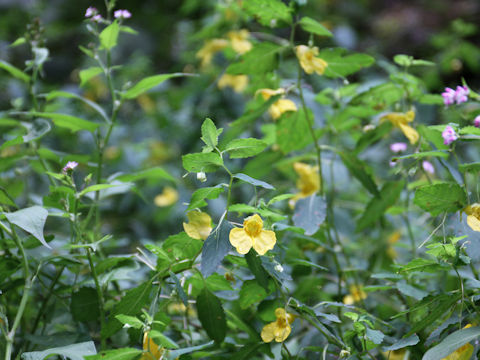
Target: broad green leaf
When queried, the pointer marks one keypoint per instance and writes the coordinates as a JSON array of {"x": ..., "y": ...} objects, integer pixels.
[
  {"x": 211, "y": 315},
  {"x": 360, "y": 170},
  {"x": 89, "y": 73},
  {"x": 420, "y": 264},
  {"x": 109, "y": 35},
  {"x": 147, "y": 84},
  {"x": 117, "y": 354},
  {"x": 197, "y": 162},
  {"x": 402, "y": 343},
  {"x": 73, "y": 352},
  {"x": 131, "y": 321},
  {"x": 32, "y": 220},
  {"x": 379, "y": 204},
  {"x": 263, "y": 58},
  {"x": 131, "y": 304},
  {"x": 374, "y": 336},
  {"x": 162, "y": 340},
  {"x": 293, "y": 132},
  {"x": 84, "y": 305},
  {"x": 243, "y": 148},
  {"x": 155, "y": 173},
  {"x": 439, "y": 198},
  {"x": 199, "y": 196},
  {"x": 452, "y": 342},
  {"x": 268, "y": 12},
  {"x": 7, "y": 122},
  {"x": 379, "y": 96},
  {"x": 182, "y": 246},
  {"x": 469, "y": 130},
  {"x": 412, "y": 291},
  {"x": 314, "y": 27},
  {"x": 424, "y": 154},
  {"x": 255, "y": 265},
  {"x": 70, "y": 122},
  {"x": 469, "y": 167},
  {"x": 215, "y": 247},
  {"x": 179, "y": 288},
  {"x": 96, "y": 187},
  {"x": 253, "y": 181},
  {"x": 210, "y": 133},
  {"x": 310, "y": 213},
  {"x": 252, "y": 292},
  {"x": 15, "y": 72},
  {"x": 340, "y": 64}
]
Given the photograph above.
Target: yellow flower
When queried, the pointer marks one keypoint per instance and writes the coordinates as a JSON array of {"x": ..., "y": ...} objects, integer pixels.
[
  {"x": 280, "y": 106},
  {"x": 396, "y": 354},
  {"x": 401, "y": 121},
  {"x": 252, "y": 235},
  {"x": 239, "y": 41},
  {"x": 168, "y": 197},
  {"x": 308, "y": 183},
  {"x": 205, "y": 54},
  {"x": 199, "y": 225},
  {"x": 151, "y": 351},
  {"x": 237, "y": 82},
  {"x": 473, "y": 216},
  {"x": 356, "y": 294},
  {"x": 310, "y": 63},
  {"x": 279, "y": 329},
  {"x": 464, "y": 352},
  {"x": 392, "y": 239}
]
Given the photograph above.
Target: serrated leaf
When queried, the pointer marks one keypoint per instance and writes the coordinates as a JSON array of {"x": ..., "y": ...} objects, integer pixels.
[
  {"x": 32, "y": 220},
  {"x": 211, "y": 315},
  {"x": 199, "y": 196},
  {"x": 162, "y": 340},
  {"x": 15, "y": 72},
  {"x": 340, "y": 64},
  {"x": 96, "y": 187},
  {"x": 251, "y": 293},
  {"x": 374, "y": 336},
  {"x": 409, "y": 290},
  {"x": 210, "y": 133},
  {"x": 255, "y": 265},
  {"x": 215, "y": 247},
  {"x": 268, "y": 12},
  {"x": 263, "y": 58},
  {"x": 89, "y": 73},
  {"x": 420, "y": 264},
  {"x": 109, "y": 35},
  {"x": 469, "y": 167},
  {"x": 314, "y": 27},
  {"x": 310, "y": 213},
  {"x": 253, "y": 181},
  {"x": 197, "y": 162},
  {"x": 293, "y": 132},
  {"x": 131, "y": 321},
  {"x": 73, "y": 352},
  {"x": 147, "y": 84},
  {"x": 439, "y": 198},
  {"x": 452, "y": 342},
  {"x": 243, "y": 148}
]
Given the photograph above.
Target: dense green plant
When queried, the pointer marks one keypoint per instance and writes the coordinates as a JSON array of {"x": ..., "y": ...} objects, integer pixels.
[{"x": 311, "y": 228}]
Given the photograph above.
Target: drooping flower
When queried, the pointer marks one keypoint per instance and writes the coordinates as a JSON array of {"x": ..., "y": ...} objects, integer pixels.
[
  {"x": 310, "y": 63},
  {"x": 473, "y": 216},
  {"x": 280, "y": 106},
  {"x": 428, "y": 167},
  {"x": 167, "y": 197},
  {"x": 210, "y": 48},
  {"x": 458, "y": 96},
  {"x": 122, "y": 14},
  {"x": 476, "y": 121},
  {"x": 449, "y": 135},
  {"x": 199, "y": 225},
  {"x": 252, "y": 235},
  {"x": 239, "y": 41},
  {"x": 279, "y": 329},
  {"x": 90, "y": 12},
  {"x": 308, "y": 183},
  {"x": 398, "y": 147},
  {"x": 151, "y": 351},
  {"x": 356, "y": 294},
  {"x": 70, "y": 166},
  {"x": 237, "y": 82},
  {"x": 401, "y": 121},
  {"x": 464, "y": 352}
]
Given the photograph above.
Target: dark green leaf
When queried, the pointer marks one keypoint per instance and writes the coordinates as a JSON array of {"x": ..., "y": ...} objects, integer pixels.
[
  {"x": 402, "y": 343},
  {"x": 197, "y": 162},
  {"x": 84, "y": 305},
  {"x": 268, "y": 12},
  {"x": 216, "y": 246},
  {"x": 310, "y": 213},
  {"x": 293, "y": 132},
  {"x": 179, "y": 288},
  {"x": 439, "y": 198},
  {"x": 255, "y": 265},
  {"x": 252, "y": 292},
  {"x": 360, "y": 170},
  {"x": 211, "y": 315},
  {"x": 243, "y": 148},
  {"x": 199, "y": 196},
  {"x": 253, "y": 181},
  {"x": 32, "y": 220}
]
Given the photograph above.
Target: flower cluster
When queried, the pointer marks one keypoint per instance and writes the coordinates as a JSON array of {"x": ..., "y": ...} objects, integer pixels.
[
  {"x": 476, "y": 121},
  {"x": 237, "y": 82},
  {"x": 449, "y": 135},
  {"x": 398, "y": 147},
  {"x": 93, "y": 14},
  {"x": 458, "y": 96},
  {"x": 122, "y": 14},
  {"x": 310, "y": 63},
  {"x": 69, "y": 167}
]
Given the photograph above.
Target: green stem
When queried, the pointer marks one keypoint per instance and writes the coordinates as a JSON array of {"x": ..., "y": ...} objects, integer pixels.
[{"x": 101, "y": 300}]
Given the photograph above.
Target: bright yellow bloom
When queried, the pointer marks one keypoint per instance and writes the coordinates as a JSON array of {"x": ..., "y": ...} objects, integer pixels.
[
  {"x": 310, "y": 63},
  {"x": 401, "y": 121},
  {"x": 237, "y": 82},
  {"x": 252, "y": 235},
  {"x": 280, "y": 106},
  {"x": 199, "y": 225},
  {"x": 239, "y": 41},
  {"x": 473, "y": 216},
  {"x": 356, "y": 294},
  {"x": 309, "y": 181},
  {"x": 279, "y": 329},
  {"x": 464, "y": 352},
  {"x": 151, "y": 351},
  {"x": 211, "y": 47},
  {"x": 396, "y": 354},
  {"x": 168, "y": 197}
]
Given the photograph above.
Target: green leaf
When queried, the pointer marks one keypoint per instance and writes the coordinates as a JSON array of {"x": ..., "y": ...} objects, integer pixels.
[
  {"x": 340, "y": 64},
  {"x": 253, "y": 181},
  {"x": 374, "y": 336},
  {"x": 263, "y": 58},
  {"x": 162, "y": 340},
  {"x": 243, "y": 148},
  {"x": 412, "y": 291},
  {"x": 210, "y": 133},
  {"x": 15, "y": 72},
  {"x": 360, "y": 170},
  {"x": 216, "y": 246},
  {"x": 131, "y": 304},
  {"x": 255, "y": 265},
  {"x": 424, "y": 154},
  {"x": 73, "y": 352},
  {"x": 155, "y": 173},
  {"x": 179, "y": 288},
  {"x": 469, "y": 167},
  {"x": 84, "y": 305},
  {"x": 402, "y": 343},
  {"x": 197, "y": 162},
  {"x": 211, "y": 315},
  {"x": 268, "y": 12},
  {"x": 379, "y": 204},
  {"x": 199, "y": 196},
  {"x": 174, "y": 354},
  {"x": 439, "y": 198},
  {"x": 89, "y": 73},
  {"x": 293, "y": 132},
  {"x": 420, "y": 264},
  {"x": 117, "y": 354},
  {"x": 32, "y": 220},
  {"x": 452, "y": 342},
  {"x": 182, "y": 246},
  {"x": 251, "y": 293},
  {"x": 148, "y": 83},
  {"x": 132, "y": 321},
  {"x": 109, "y": 35},
  {"x": 314, "y": 27},
  {"x": 310, "y": 213},
  {"x": 70, "y": 122},
  {"x": 96, "y": 187}
]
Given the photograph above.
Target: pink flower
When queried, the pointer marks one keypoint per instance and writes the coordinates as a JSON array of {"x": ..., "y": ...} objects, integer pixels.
[
  {"x": 90, "y": 11},
  {"x": 449, "y": 135},
  {"x": 458, "y": 96},
  {"x": 97, "y": 18},
  {"x": 448, "y": 96},
  {"x": 122, "y": 14},
  {"x": 398, "y": 147},
  {"x": 476, "y": 121},
  {"x": 428, "y": 167},
  {"x": 71, "y": 165}
]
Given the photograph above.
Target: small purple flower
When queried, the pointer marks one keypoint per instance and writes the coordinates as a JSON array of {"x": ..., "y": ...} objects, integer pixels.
[
  {"x": 97, "y": 18},
  {"x": 428, "y": 167},
  {"x": 449, "y": 135},
  {"x": 392, "y": 163},
  {"x": 398, "y": 147},
  {"x": 448, "y": 96},
  {"x": 122, "y": 14},
  {"x": 476, "y": 121},
  {"x": 90, "y": 11},
  {"x": 71, "y": 165},
  {"x": 461, "y": 94}
]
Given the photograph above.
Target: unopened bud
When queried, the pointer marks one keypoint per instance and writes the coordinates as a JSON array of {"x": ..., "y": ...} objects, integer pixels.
[{"x": 201, "y": 176}]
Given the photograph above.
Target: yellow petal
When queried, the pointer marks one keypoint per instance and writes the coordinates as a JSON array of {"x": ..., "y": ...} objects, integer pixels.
[
  {"x": 240, "y": 240},
  {"x": 319, "y": 65},
  {"x": 473, "y": 222},
  {"x": 280, "y": 313},
  {"x": 308, "y": 60},
  {"x": 151, "y": 350},
  {"x": 199, "y": 226},
  {"x": 410, "y": 133},
  {"x": 282, "y": 332},
  {"x": 268, "y": 93},
  {"x": 264, "y": 241},
  {"x": 239, "y": 41},
  {"x": 268, "y": 332},
  {"x": 462, "y": 353},
  {"x": 348, "y": 300},
  {"x": 309, "y": 182},
  {"x": 209, "y": 49},
  {"x": 253, "y": 225},
  {"x": 168, "y": 197}
]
